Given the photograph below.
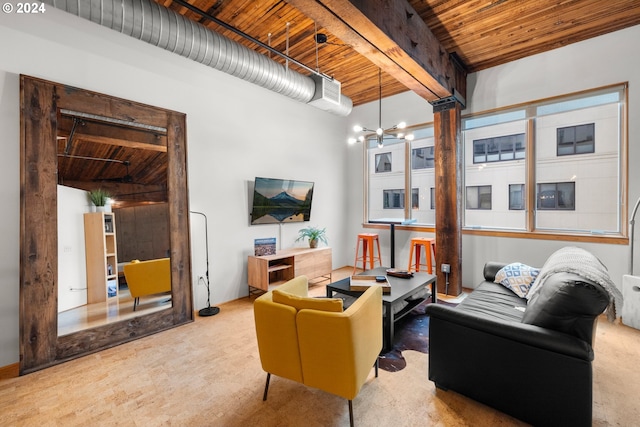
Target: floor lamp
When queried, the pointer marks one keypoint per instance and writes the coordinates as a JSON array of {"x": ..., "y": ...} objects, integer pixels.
[{"x": 208, "y": 310}]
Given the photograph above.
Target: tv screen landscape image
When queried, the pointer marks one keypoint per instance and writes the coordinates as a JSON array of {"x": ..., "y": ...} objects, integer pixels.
[{"x": 281, "y": 200}]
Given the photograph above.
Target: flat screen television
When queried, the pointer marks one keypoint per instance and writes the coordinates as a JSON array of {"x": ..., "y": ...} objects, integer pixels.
[{"x": 281, "y": 200}]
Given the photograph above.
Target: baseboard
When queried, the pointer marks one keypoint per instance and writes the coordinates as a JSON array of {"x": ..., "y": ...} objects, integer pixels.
[{"x": 9, "y": 371}]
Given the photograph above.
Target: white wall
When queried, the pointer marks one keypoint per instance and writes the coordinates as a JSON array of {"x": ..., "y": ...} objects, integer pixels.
[
  {"x": 606, "y": 60},
  {"x": 72, "y": 264},
  {"x": 235, "y": 131}
]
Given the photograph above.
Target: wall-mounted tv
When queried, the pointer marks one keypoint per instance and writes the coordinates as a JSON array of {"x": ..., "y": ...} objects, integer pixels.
[{"x": 281, "y": 200}]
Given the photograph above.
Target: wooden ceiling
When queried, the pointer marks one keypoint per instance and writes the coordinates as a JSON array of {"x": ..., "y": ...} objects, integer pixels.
[
  {"x": 129, "y": 162},
  {"x": 480, "y": 33},
  {"x": 476, "y": 33}
]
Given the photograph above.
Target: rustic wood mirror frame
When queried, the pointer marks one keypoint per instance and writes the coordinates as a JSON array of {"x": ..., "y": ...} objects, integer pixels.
[{"x": 40, "y": 345}]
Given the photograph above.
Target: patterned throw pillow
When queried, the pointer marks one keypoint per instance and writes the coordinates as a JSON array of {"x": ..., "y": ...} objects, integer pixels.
[{"x": 518, "y": 277}]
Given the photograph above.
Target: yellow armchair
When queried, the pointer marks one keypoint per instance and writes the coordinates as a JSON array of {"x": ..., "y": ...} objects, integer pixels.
[
  {"x": 147, "y": 278},
  {"x": 298, "y": 337}
]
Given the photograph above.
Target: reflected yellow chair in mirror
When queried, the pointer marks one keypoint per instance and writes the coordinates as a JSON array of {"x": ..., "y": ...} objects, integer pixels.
[
  {"x": 314, "y": 342},
  {"x": 147, "y": 278}
]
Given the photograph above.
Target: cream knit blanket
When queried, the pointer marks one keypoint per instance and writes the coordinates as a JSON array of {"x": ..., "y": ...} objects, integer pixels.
[{"x": 581, "y": 262}]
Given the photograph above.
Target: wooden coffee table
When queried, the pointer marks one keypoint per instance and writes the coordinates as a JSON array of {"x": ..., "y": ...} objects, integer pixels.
[{"x": 401, "y": 290}]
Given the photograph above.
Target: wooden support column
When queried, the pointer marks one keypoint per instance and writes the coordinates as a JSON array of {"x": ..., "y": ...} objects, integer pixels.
[{"x": 449, "y": 194}]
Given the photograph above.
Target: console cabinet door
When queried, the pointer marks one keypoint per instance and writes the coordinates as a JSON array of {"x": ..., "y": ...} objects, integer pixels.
[{"x": 314, "y": 263}]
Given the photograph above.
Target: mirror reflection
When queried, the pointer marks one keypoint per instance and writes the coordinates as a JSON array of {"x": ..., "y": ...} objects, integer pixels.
[{"x": 113, "y": 220}]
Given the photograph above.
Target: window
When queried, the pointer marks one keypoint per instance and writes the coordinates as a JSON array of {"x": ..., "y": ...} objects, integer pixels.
[
  {"x": 516, "y": 197},
  {"x": 578, "y": 186},
  {"x": 557, "y": 196},
  {"x": 499, "y": 148},
  {"x": 529, "y": 168},
  {"x": 433, "y": 198},
  {"x": 393, "y": 199},
  {"x": 415, "y": 198},
  {"x": 479, "y": 197},
  {"x": 383, "y": 162},
  {"x": 576, "y": 139},
  {"x": 408, "y": 176},
  {"x": 422, "y": 158}
]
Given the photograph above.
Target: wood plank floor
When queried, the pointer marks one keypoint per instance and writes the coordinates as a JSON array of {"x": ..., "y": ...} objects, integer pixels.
[
  {"x": 207, "y": 373},
  {"x": 112, "y": 310}
]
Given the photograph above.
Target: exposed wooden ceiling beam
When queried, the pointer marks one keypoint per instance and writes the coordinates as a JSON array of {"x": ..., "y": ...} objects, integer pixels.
[{"x": 391, "y": 35}]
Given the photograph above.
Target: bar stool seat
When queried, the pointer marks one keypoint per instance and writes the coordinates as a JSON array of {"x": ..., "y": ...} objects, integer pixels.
[
  {"x": 429, "y": 245},
  {"x": 367, "y": 240}
]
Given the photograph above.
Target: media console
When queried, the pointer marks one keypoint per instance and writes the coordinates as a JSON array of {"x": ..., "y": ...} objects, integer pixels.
[{"x": 267, "y": 271}]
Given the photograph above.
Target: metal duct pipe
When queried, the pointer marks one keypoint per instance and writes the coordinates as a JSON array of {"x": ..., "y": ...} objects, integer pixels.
[{"x": 150, "y": 22}]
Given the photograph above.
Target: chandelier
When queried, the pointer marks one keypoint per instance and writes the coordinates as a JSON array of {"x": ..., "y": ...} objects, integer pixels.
[{"x": 394, "y": 132}]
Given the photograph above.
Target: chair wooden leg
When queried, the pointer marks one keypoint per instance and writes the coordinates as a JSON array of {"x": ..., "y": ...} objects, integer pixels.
[
  {"x": 350, "y": 413},
  {"x": 266, "y": 387},
  {"x": 376, "y": 365},
  {"x": 136, "y": 301}
]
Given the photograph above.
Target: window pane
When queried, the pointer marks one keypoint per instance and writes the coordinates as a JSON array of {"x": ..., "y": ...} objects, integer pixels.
[
  {"x": 383, "y": 162},
  {"x": 566, "y": 195},
  {"x": 386, "y": 169},
  {"x": 516, "y": 196},
  {"x": 484, "y": 196},
  {"x": 432, "y": 192},
  {"x": 423, "y": 179},
  {"x": 546, "y": 196},
  {"x": 422, "y": 158},
  {"x": 489, "y": 207},
  {"x": 586, "y": 188},
  {"x": 576, "y": 139},
  {"x": 393, "y": 199},
  {"x": 472, "y": 198}
]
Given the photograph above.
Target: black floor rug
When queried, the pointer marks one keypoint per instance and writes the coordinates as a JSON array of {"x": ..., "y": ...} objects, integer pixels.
[{"x": 411, "y": 333}]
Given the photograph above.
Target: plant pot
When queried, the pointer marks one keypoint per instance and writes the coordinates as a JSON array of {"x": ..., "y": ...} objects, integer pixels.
[{"x": 313, "y": 243}]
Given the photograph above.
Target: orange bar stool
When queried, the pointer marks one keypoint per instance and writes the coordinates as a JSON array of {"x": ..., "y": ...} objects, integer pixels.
[
  {"x": 417, "y": 243},
  {"x": 367, "y": 240}
]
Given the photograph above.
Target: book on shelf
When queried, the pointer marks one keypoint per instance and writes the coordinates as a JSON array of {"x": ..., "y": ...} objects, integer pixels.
[{"x": 266, "y": 246}]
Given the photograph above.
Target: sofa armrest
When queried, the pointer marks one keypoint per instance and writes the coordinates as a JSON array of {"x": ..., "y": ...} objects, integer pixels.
[
  {"x": 525, "y": 334},
  {"x": 490, "y": 270}
]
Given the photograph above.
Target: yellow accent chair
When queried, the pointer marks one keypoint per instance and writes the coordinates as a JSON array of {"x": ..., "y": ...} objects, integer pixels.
[
  {"x": 314, "y": 342},
  {"x": 147, "y": 278}
]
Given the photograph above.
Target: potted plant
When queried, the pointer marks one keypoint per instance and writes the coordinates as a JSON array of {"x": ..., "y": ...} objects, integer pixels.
[
  {"x": 313, "y": 234},
  {"x": 99, "y": 198}
]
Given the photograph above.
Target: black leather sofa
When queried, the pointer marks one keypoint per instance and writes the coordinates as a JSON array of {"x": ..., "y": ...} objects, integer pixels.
[{"x": 532, "y": 361}]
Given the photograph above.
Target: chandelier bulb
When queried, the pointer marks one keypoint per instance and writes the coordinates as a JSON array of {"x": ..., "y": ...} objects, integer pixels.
[
  {"x": 361, "y": 138},
  {"x": 379, "y": 131},
  {"x": 352, "y": 140},
  {"x": 409, "y": 137},
  {"x": 402, "y": 125},
  {"x": 358, "y": 128}
]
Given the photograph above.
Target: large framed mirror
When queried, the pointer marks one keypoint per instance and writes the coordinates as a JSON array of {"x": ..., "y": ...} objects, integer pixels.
[{"x": 49, "y": 116}]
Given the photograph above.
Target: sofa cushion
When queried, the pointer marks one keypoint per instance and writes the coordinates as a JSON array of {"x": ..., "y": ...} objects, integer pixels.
[
  {"x": 494, "y": 301},
  {"x": 518, "y": 277},
  {"x": 300, "y": 303},
  {"x": 567, "y": 303}
]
